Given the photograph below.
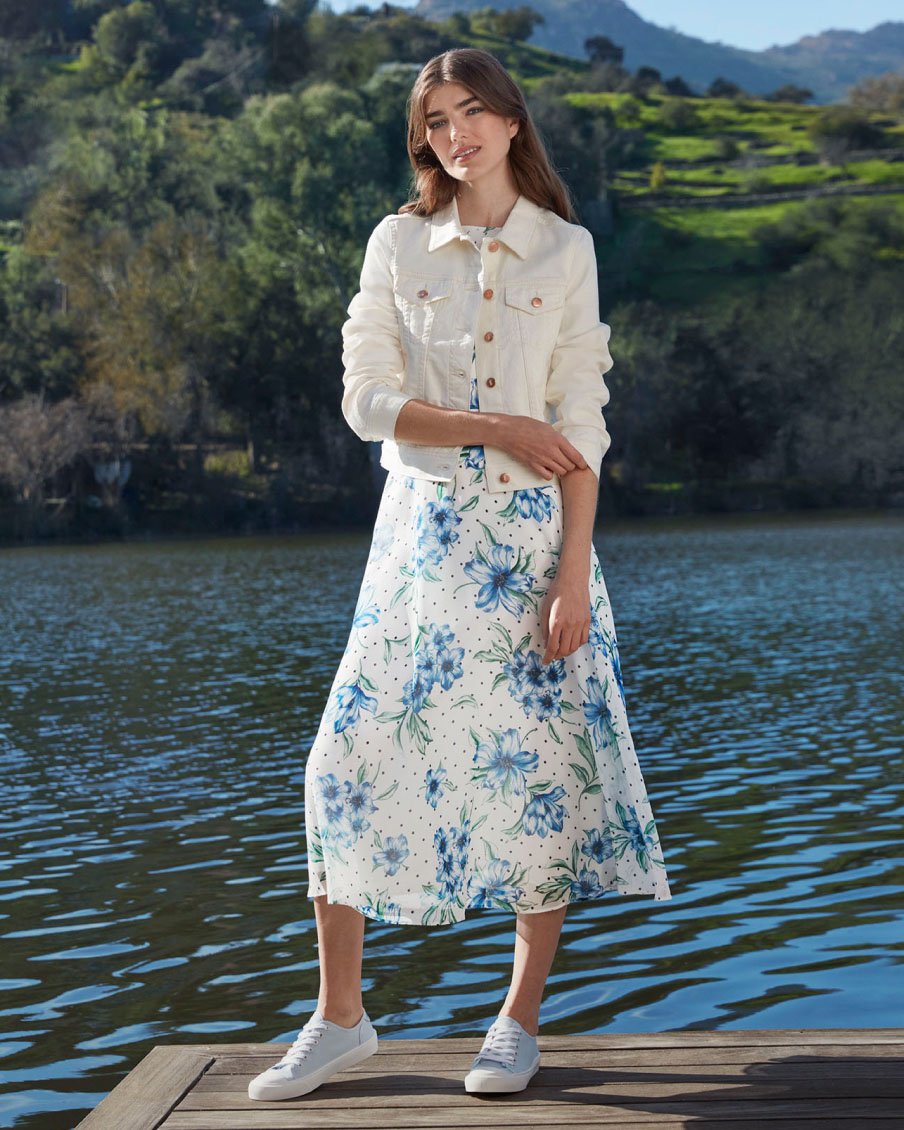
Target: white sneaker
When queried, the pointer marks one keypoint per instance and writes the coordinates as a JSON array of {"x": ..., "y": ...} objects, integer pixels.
[
  {"x": 508, "y": 1060},
  {"x": 320, "y": 1049}
]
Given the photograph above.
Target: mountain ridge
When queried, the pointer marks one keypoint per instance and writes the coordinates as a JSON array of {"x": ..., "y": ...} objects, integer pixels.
[{"x": 826, "y": 62}]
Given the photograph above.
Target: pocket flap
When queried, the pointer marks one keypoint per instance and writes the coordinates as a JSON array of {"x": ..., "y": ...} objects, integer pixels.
[
  {"x": 523, "y": 296},
  {"x": 421, "y": 290}
]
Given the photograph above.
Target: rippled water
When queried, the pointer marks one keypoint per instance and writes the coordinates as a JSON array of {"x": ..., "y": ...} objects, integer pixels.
[{"x": 156, "y": 705}]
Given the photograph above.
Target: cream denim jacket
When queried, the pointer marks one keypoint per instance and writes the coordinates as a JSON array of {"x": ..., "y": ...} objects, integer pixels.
[{"x": 528, "y": 298}]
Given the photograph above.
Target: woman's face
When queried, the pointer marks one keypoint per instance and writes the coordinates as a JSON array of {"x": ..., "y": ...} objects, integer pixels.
[{"x": 457, "y": 122}]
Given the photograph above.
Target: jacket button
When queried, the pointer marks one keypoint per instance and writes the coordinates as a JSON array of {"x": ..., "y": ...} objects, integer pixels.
[
  {"x": 536, "y": 302},
  {"x": 491, "y": 381},
  {"x": 422, "y": 293},
  {"x": 488, "y": 293},
  {"x": 488, "y": 336},
  {"x": 504, "y": 477},
  {"x": 492, "y": 245}
]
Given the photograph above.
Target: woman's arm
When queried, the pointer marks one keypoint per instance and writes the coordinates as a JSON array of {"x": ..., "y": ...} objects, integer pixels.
[
  {"x": 534, "y": 443},
  {"x": 565, "y": 609},
  {"x": 577, "y": 390},
  {"x": 419, "y": 421},
  {"x": 575, "y": 385}
]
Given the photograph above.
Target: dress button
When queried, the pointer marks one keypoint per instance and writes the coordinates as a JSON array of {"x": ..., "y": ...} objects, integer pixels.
[
  {"x": 504, "y": 477},
  {"x": 488, "y": 336},
  {"x": 422, "y": 293},
  {"x": 536, "y": 302},
  {"x": 492, "y": 245},
  {"x": 488, "y": 293},
  {"x": 491, "y": 381}
]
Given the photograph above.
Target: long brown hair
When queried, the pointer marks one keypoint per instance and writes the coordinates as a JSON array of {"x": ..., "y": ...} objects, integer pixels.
[{"x": 487, "y": 78}]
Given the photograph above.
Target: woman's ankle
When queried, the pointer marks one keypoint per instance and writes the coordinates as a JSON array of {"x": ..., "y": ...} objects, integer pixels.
[{"x": 344, "y": 1017}]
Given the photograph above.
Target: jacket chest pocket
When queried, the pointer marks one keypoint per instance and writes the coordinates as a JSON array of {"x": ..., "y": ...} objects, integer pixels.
[
  {"x": 421, "y": 304},
  {"x": 534, "y": 312}
]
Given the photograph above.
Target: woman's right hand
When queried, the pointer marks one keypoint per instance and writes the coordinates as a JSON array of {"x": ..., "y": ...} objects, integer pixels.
[{"x": 538, "y": 445}]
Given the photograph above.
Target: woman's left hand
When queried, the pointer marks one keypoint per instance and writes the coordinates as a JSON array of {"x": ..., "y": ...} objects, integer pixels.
[{"x": 565, "y": 616}]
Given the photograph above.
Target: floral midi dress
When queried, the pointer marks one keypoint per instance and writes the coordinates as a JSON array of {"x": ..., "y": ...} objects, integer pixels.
[{"x": 452, "y": 770}]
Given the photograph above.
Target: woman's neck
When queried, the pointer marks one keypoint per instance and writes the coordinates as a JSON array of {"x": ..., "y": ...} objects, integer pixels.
[{"x": 484, "y": 213}]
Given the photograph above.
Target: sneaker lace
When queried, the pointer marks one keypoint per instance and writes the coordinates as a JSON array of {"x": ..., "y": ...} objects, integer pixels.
[
  {"x": 501, "y": 1045},
  {"x": 303, "y": 1042}
]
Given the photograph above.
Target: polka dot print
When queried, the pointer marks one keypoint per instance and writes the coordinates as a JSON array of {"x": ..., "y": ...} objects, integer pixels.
[{"x": 452, "y": 770}]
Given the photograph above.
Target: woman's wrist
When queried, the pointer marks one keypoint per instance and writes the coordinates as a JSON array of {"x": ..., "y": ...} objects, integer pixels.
[
  {"x": 574, "y": 566},
  {"x": 492, "y": 427}
]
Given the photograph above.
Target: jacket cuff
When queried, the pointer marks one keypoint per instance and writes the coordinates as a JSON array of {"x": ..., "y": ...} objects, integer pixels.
[
  {"x": 593, "y": 443},
  {"x": 382, "y": 410}
]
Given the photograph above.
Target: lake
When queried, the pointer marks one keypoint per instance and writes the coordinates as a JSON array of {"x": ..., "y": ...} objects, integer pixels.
[{"x": 157, "y": 701}]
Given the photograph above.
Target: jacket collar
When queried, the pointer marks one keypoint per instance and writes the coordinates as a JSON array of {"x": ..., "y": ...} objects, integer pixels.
[{"x": 515, "y": 233}]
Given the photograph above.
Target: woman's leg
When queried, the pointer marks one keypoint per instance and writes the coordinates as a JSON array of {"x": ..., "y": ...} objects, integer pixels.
[
  {"x": 536, "y": 941},
  {"x": 340, "y": 946}
]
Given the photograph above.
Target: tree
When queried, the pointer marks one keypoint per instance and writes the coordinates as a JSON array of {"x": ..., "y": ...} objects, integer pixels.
[
  {"x": 839, "y": 129},
  {"x": 677, "y": 115},
  {"x": 128, "y": 44},
  {"x": 723, "y": 88},
  {"x": 883, "y": 94},
  {"x": 679, "y": 87},
  {"x": 790, "y": 93},
  {"x": 37, "y": 440},
  {"x": 601, "y": 49},
  {"x": 517, "y": 24},
  {"x": 643, "y": 81},
  {"x": 513, "y": 24}
]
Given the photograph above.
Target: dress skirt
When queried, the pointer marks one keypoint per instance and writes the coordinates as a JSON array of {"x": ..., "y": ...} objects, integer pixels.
[{"x": 452, "y": 769}]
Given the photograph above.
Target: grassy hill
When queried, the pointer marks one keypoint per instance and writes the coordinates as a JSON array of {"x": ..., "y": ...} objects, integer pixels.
[{"x": 699, "y": 198}]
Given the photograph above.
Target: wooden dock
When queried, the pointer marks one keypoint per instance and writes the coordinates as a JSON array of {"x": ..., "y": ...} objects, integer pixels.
[{"x": 808, "y": 1079}]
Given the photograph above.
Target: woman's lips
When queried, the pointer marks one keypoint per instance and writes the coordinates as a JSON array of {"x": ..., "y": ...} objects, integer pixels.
[{"x": 474, "y": 150}]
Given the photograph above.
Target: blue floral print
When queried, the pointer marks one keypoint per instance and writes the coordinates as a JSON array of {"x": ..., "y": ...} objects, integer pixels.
[{"x": 453, "y": 771}]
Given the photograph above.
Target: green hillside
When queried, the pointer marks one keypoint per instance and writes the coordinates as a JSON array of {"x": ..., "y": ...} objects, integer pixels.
[{"x": 186, "y": 192}]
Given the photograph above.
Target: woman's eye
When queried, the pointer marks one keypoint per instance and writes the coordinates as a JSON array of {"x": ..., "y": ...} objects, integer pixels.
[{"x": 441, "y": 121}]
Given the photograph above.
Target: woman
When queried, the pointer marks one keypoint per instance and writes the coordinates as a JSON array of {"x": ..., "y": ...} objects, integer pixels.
[{"x": 474, "y": 751}]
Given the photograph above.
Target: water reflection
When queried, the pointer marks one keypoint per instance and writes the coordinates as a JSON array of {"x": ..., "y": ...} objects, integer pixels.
[{"x": 158, "y": 702}]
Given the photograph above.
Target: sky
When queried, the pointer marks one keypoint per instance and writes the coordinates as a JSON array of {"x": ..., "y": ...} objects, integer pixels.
[
  {"x": 767, "y": 22},
  {"x": 754, "y": 26}
]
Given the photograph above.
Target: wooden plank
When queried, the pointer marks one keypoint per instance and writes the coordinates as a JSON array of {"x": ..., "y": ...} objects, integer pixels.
[
  {"x": 387, "y": 1058},
  {"x": 861, "y": 1070},
  {"x": 504, "y": 1111},
  {"x": 149, "y": 1092},
  {"x": 830, "y": 1079},
  {"x": 365, "y": 1099},
  {"x": 766, "y": 1037}
]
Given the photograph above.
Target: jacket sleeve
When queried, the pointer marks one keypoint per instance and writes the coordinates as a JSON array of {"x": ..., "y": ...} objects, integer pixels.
[
  {"x": 575, "y": 385},
  {"x": 371, "y": 348}
]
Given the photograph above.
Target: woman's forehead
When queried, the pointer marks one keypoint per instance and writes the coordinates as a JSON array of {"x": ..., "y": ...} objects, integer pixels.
[{"x": 446, "y": 94}]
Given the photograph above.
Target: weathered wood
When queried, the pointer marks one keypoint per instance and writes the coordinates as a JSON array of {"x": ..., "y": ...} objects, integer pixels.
[
  {"x": 785, "y": 1079},
  {"x": 393, "y": 1058},
  {"x": 501, "y": 1112},
  {"x": 417, "y": 1079},
  {"x": 150, "y": 1091},
  {"x": 768, "y": 1037}
]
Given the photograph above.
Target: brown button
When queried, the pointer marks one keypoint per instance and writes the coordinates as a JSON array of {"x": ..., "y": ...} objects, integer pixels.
[
  {"x": 488, "y": 336},
  {"x": 491, "y": 381},
  {"x": 492, "y": 245},
  {"x": 488, "y": 293},
  {"x": 504, "y": 477},
  {"x": 422, "y": 293},
  {"x": 536, "y": 302}
]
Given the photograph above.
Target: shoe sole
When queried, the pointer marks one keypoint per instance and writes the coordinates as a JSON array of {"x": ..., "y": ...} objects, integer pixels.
[
  {"x": 299, "y": 1087},
  {"x": 483, "y": 1081}
]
